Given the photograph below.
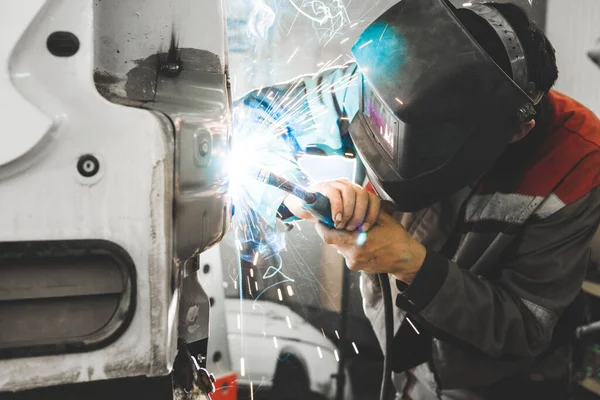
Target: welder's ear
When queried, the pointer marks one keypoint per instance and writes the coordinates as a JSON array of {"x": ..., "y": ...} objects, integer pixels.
[{"x": 525, "y": 128}]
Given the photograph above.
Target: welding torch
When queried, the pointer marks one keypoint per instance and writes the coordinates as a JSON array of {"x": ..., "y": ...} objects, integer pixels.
[{"x": 314, "y": 202}]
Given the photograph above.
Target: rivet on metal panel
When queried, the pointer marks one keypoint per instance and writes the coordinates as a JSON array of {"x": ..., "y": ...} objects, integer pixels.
[{"x": 88, "y": 165}]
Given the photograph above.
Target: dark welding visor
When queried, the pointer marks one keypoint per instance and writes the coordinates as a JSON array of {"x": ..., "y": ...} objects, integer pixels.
[{"x": 436, "y": 110}]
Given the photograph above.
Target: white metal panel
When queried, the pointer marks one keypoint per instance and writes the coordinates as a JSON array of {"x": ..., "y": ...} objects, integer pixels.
[
  {"x": 211, "y": 278},
  {"x": 23, "y": 124},
  {"x": 572, "y": 27},
  {"x": 129, "y": 202}
]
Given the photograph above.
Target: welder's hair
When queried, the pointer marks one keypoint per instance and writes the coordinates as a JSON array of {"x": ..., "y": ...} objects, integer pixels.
[{"x": 540, "y": 54}]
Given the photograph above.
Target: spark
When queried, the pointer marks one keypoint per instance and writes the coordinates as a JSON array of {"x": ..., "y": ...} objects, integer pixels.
[
  {"x": 255, "y": 146},
  {"x": 323, "y": 332},
  {"x": 275, "y": 342},
  {"x": 413, "y": 326},
  {"x": 362, "y": 46},
  {"x": 337, "y": 357},
  {"x": 355, "y": 348},
  {"x": 289, "y": 322},
  {"x": 320, "y": 352},
  {"x": 337, "y": 334},
  {"x": 344, "y": 41},
  {"x": 292, "y": 56},
  {"x": 293, "y": 22},
  {"x": 242, "y": 367},
  {"x": 321, "y": 64},
  {"x": 399, "y": 101},
  {"x": 385, "y": 29},
  {"x": 467, "y": 4},
  {"x": 329, "y": 63}
]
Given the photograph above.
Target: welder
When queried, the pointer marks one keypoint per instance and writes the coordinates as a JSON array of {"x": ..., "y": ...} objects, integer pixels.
[{"x": 494, "y": 181}]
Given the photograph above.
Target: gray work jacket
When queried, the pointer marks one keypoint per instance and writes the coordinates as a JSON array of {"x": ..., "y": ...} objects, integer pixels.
[{"x": 505, "y": 258}]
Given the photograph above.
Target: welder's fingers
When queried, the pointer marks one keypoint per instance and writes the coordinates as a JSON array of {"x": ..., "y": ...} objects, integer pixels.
[
  {"x": 361, "y": 209},
  {"x": 349, "y": 197},
  {"x": 335, "y": 199},
  {"x": 373, "y": 212}
]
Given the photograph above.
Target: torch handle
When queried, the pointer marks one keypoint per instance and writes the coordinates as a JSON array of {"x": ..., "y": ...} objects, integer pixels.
[{"x": 320, "y": 209}]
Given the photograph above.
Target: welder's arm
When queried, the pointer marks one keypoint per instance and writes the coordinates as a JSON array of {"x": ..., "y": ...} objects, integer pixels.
[
  {"x": 311, "y": 113},
  {"x": 516, "y": 314}
]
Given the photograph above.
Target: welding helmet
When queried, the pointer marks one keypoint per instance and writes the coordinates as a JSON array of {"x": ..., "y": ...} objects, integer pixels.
[{"x": 436, "y": 110}]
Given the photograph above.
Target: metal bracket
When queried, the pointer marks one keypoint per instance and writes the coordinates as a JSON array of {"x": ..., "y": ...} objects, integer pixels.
[{"x": 190, "y": 380}]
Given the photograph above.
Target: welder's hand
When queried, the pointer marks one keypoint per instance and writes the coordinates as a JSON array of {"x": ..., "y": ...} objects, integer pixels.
[
  {"x": 387, "y": 248},
  {"x": 352, "y": 207}
]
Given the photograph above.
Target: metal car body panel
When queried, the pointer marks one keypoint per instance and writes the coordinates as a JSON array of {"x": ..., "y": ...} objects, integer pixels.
[{"x": 60, "y": 108}]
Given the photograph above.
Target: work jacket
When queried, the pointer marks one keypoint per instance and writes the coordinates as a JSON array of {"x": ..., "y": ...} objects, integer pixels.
[{"x": 506, "y": 257}]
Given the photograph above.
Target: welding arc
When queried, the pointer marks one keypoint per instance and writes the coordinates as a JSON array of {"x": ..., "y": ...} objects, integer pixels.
[{"x": 287, "y": 186}]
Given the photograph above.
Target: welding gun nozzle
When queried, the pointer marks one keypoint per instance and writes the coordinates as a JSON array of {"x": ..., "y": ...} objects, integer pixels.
[{"x": 286, "y": 185}]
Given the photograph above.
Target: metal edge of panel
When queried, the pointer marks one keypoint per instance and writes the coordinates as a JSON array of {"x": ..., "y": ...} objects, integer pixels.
[{"x": 121, "y": 318}]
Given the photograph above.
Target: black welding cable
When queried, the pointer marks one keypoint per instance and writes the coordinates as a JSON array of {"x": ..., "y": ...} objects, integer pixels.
[{"x": 388, "y": 313}]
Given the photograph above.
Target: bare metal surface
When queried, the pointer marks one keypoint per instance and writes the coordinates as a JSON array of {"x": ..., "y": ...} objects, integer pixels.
[{"x": 167, "y": 58}]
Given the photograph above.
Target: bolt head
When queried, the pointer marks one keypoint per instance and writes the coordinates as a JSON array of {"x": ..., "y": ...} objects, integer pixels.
[{"x": 204, "y": 148}]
